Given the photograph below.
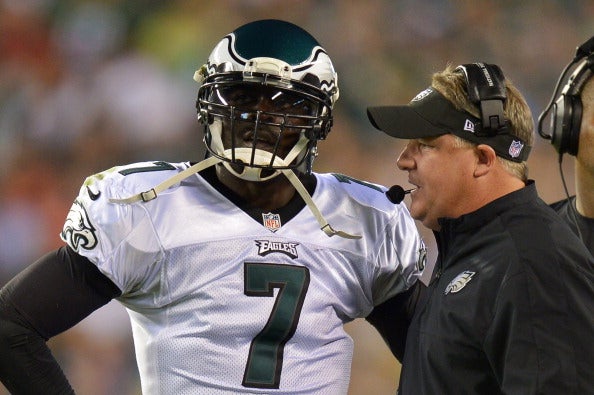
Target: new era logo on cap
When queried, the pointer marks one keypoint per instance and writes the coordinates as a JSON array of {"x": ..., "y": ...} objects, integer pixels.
[{"x": 469, "y": 126}]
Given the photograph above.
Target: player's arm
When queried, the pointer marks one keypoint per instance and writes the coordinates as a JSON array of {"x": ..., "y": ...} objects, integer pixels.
[
  {"x": 47, "y": 298},
  {"x": 392, "y": 318}
]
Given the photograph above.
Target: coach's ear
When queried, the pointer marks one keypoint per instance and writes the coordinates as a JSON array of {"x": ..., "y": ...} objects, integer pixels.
[{"x": 485, "y": 159}]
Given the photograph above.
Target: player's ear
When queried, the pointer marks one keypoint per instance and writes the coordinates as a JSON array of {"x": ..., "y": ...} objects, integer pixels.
[{"x": 486, "y": 159}]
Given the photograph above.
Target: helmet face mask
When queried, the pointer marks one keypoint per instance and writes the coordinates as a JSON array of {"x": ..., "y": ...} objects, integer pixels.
[{"x": 265, "y": 113}]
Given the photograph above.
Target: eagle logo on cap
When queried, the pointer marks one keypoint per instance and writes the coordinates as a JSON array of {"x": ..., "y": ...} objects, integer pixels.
[{"x": 422, "y": 95}]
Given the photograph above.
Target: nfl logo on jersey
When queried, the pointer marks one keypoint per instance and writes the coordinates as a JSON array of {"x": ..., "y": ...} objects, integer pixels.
[{"x": 271, "y": 221}]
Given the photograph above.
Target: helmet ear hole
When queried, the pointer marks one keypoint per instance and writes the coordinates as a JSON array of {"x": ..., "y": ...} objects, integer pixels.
[
  {"x": 311, "y": 79},
  {"x": 323, "y": 129},
  {"x": 319, "y": 131}
]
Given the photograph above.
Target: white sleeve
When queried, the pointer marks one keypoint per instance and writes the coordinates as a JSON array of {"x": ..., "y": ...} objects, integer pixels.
[
  {"x": 118, "y": 238},
  {"x": 401, "y": 258},
  {"x": 391, "y": 243}
]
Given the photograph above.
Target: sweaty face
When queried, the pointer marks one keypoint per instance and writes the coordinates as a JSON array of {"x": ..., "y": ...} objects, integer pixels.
[
  {"x": 264, "y": 117},
  {"x": 442, "y": 172}
]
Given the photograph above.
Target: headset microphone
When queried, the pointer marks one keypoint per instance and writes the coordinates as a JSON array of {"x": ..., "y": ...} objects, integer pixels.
[{"x": 396, "y": 193}]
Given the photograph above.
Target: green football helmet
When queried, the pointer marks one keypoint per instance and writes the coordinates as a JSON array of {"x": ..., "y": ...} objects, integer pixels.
[{"x": 279, "y": 64}]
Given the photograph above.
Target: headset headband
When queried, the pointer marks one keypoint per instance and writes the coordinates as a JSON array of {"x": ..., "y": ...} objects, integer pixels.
[{"x": 486, "y": 88}]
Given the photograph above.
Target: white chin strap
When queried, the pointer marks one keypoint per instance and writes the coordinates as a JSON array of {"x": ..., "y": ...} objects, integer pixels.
[
  {"x": 324, "y": 225},
  {"x": 293, "y": 179}
]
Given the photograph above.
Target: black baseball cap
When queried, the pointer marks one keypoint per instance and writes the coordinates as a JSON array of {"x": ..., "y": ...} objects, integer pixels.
[{"x": 430, "y": 114}]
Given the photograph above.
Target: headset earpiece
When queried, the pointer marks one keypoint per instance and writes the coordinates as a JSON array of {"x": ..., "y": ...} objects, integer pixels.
[
  {"x": 566, "y": 118},
  {"x": 486, "y": 88},
  {"x": 565, "y": 124}
]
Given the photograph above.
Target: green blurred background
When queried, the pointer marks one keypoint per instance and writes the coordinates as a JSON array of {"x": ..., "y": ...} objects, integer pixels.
[{"x": 85, "y": 85}]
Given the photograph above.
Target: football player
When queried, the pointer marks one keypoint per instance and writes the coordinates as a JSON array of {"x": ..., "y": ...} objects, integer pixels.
[{"x": 238, "y": 272}]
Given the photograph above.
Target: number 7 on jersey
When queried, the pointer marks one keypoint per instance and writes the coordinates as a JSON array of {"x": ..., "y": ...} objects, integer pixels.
[{"x": 265, "y": 359}]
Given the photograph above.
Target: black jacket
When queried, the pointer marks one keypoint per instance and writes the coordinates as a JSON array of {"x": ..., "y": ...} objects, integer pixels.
[{"x": 510, "y": 308}]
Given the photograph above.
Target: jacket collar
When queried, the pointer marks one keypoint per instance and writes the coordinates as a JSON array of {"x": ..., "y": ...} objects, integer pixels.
[
  {"x": 452, "y": 228},
  {"x": 476, "y": 219}
]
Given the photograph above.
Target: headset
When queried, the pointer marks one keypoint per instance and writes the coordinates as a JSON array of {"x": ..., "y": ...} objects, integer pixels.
[
  {"x": 486, "y": 88},
  {"x": 565, "y": 106}
]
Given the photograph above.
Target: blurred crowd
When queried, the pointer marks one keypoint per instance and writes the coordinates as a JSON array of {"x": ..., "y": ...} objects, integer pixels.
[{"x": 86, "y": 85}]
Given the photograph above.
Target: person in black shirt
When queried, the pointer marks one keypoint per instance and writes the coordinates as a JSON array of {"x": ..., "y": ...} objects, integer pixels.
[
  {"x": 580, "y": 221},
  {"x": 509, "y": 308},
  {"x": 572, "y": 132}
]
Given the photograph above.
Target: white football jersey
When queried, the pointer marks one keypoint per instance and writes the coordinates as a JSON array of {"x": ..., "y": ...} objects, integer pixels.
[{"x": 222, "y": 304}]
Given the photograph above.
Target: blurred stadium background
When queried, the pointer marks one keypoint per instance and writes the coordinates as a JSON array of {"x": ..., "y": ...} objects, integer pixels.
[{"x": 85, "y": 85}]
